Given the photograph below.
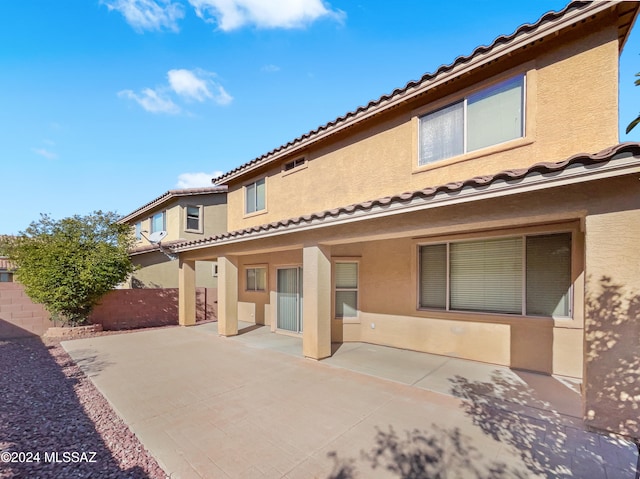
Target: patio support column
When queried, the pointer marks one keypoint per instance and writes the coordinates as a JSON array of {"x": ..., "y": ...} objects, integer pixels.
[
  {"x": 186, "y": 292},
  {"x": 316, "y": 289},
  {"x": 227, "y": 296}
]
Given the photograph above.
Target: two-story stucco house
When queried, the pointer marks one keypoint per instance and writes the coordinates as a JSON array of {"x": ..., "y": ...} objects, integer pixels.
[
  {"x": 473, "y": 213},
  {"x": 184, "y": 214}
]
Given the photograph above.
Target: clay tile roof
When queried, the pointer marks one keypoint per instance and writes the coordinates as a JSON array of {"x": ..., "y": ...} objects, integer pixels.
[
  {"x": 169, "y": 195},
  {"x": 153, "y": 247},
  {"x": 427, "y": 194},
  {"x": 6, "y": 265},
  {"x": 498, "y": 47}
]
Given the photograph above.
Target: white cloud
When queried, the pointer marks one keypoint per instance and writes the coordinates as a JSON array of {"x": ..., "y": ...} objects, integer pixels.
[
  {"x": 187, "y": 84},
  {"x": 49, "y": 155},
  {"x": 233, "y": 14},
  {"x": 197, "y": 85},
  {"x": 196, "y": 180},
  {"x": 190, "y": 85},
  {"x": 148, "y": 14},
  {"x": 221, "y": 97},
  {"x": 151, "y": 101}
]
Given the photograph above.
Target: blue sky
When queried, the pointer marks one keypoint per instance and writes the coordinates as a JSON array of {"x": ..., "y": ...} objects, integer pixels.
[{"x": 107, "y": 104}]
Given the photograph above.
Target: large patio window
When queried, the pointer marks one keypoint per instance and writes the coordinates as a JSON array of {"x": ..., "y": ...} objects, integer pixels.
[
  {"x": 489, "y": 117},
  {"x": 525, "y": 275}
]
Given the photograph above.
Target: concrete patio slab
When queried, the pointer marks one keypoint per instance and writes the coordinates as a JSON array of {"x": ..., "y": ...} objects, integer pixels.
[{"x": 251, "y": 406}]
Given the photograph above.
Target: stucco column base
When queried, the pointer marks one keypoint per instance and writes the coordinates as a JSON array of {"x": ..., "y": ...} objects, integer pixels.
[
  {"x": 316, "y": 281},
  {"x": 227, "y": 296},
  {"x": 186, "y": 292}
]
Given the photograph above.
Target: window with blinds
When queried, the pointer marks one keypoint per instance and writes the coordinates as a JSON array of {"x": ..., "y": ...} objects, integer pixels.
[
  {"x": 346, "y": 289},
  {"x": 193, "y": 218},
  {"x": 528, "y": 275},
  {"x": 549, "y": 275},
  {"x": 489, "y": 117},
  {"x": 254, "y": 196}
]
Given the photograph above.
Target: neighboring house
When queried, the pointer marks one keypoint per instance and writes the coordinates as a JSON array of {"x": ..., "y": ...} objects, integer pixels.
[
  {"x": 6, "y": 270},
  {"x": 185, "y": 214},
  {"x": 456, "y": 215}
]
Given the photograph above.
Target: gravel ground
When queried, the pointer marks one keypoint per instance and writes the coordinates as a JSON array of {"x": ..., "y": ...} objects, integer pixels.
[{"x": 55, "y": 424}]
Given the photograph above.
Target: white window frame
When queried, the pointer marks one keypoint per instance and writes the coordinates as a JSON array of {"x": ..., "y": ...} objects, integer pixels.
[
  {"x": 200, "y": 218},
  {"x": 253, "y": 209},
  {"x": 255, "y": 269},
  {"x": 464, "y": 101},
  {"x": 164, "y": 222},
  {"x": 337, "y": 289},
  {"x": 137, "y": 228},
  {"x": 523, "y": 312}
]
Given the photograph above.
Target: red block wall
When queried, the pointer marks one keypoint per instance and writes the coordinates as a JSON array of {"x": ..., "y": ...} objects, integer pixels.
[
  {"x": 19, "y": 316},
  {"x": 143, "y": 308},
  {"x": 119, "y": 309}
]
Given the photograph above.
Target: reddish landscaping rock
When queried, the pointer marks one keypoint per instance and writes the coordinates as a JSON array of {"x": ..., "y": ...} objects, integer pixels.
[{"x": 52, "y": 414}]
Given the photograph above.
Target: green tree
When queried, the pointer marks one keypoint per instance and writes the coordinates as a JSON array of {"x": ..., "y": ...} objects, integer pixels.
[
  {"x": 633, "y": 124},
  {"x": 68, "y": 265}
]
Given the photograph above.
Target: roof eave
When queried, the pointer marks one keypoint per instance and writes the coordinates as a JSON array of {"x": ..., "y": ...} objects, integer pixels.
[
  {"x": 169, "y": 196},
  {"x": 412, "y": 90},
  {"x": 577, "y": 169}
]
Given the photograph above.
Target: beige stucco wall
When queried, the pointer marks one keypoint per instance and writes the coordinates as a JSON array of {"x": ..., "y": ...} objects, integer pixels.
[
  {"x": 214, "y": 213},
  {"x": 387, "y": 252},
  {"x": 388, "y": 313},
  {"x": 158, "y": 271},
  {"x": 258, "y": 306},
  {"x": 155, "y": 270},
  {"x": 612, "y": 367},
  {"x": 571, "y": 83}
]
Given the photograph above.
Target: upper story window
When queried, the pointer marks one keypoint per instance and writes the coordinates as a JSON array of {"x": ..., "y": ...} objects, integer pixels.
[
  {"x": 193, "y": 221},
  {"x": 6, "y": 277},
  {"x": 159, "y": 222},
  {"x": 254, "y": 197},
  {"x": 489, "y": 117},
  {"x": 138, "y": 231}
]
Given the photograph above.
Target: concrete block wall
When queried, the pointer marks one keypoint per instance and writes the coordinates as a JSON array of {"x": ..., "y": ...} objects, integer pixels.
[
  {"x": 19, "y": 316},
  {"x": 119, "y": 309},
  {"x": 143, "y": 308}
]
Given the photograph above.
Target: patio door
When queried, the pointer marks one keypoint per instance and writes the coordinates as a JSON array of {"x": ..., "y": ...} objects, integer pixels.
[{"x": 289, "y": 299}]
